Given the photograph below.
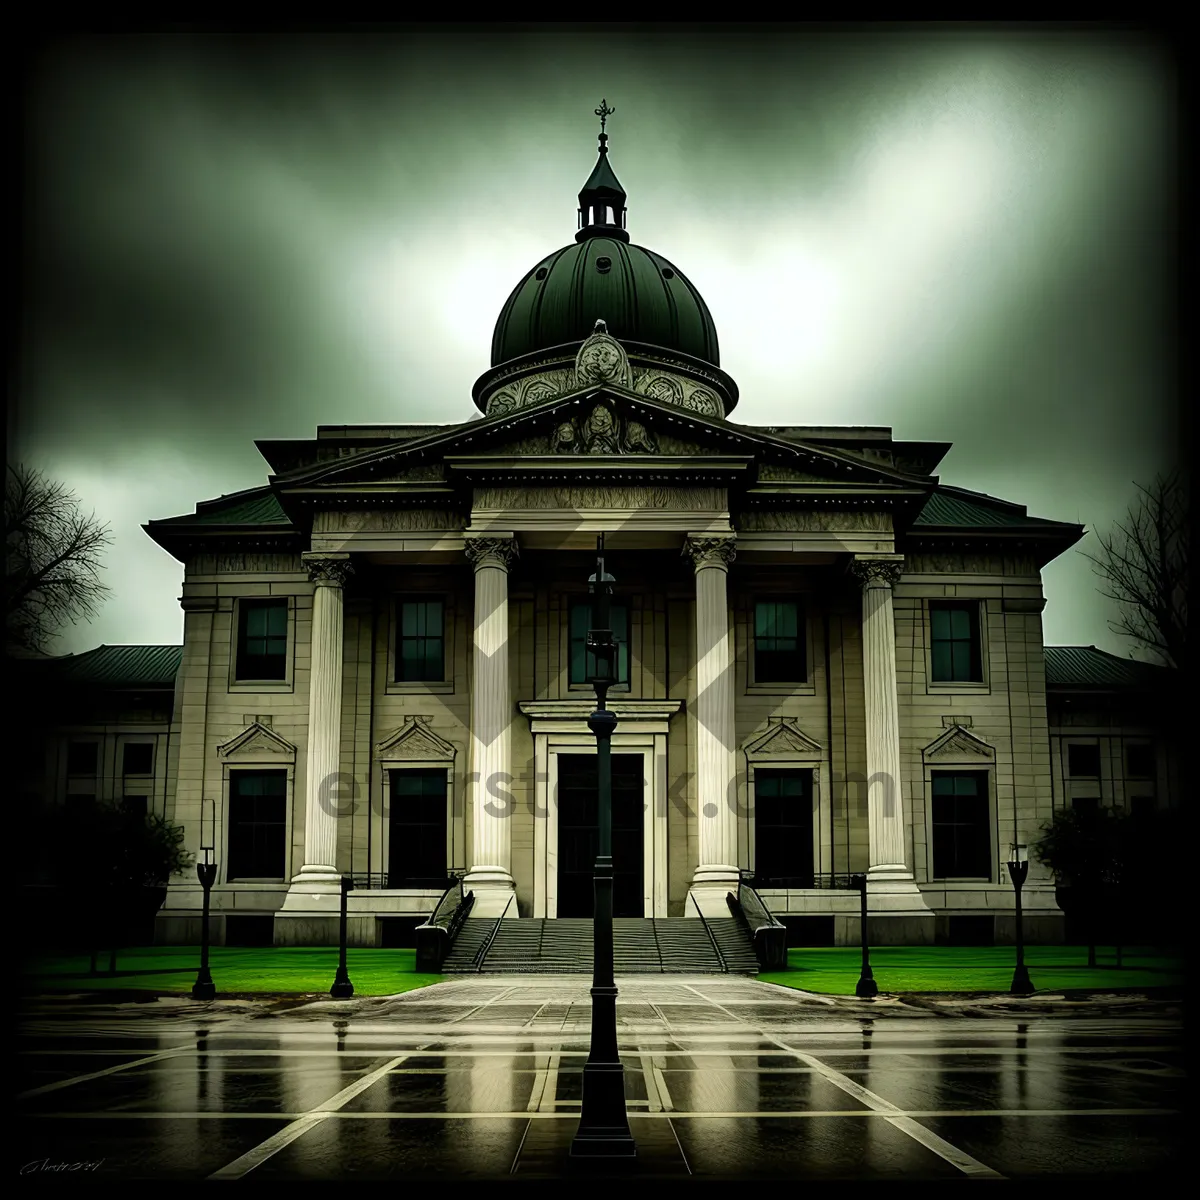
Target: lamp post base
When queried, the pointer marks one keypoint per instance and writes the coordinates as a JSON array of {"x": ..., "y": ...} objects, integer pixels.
[
  {"x": 342, "y": 988},
  {"x": 866, "y": 988},
  {"x": 1021, "y": 983},
  {"x": 604, "y": 1127},
  {"x": 204, "y": 988}
]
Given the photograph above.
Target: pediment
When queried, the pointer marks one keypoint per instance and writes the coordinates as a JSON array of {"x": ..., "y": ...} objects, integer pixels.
[
  {"x": 597, "y": 425},
  {"x": 255, "y": 743},
  {"x": 958, "y": 744},
  {"x": 415, "y": 740},
  {"x": 782, "y": 739}
]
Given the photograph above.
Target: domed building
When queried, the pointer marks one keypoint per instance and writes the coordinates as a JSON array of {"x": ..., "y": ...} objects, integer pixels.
[{"x": 826, "y": 662}]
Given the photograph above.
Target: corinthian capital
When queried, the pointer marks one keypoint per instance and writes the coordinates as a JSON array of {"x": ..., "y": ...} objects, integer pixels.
[
  {"x": 878, "y": 572},
  {"x": 490, "y": 551},
  {"x": 330, "y": 569},
  {"x": 710, "y": 551}
]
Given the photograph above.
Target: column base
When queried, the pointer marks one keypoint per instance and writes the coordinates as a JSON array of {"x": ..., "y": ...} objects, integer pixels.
[
  {"x": 495, "y": 892},
  {"x": 311, "y": 909},
  {"x": 710, "y": 888},
  {"x": 897, "y": 913}
]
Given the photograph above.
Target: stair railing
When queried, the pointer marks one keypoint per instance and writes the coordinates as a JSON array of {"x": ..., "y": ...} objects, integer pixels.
[
  {"x": 482, "y": 952},
  {"x": 767, "y": 934},
  {"x": 435, "y": 936},
  {"x": 711, "y": 937}
]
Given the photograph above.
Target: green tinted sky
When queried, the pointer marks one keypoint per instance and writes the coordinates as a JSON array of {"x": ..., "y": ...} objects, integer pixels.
[{"x": 962, "y": 235}]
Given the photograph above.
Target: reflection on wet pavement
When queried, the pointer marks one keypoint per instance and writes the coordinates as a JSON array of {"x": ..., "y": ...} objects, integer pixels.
[{"x": 481, "y": 1079}]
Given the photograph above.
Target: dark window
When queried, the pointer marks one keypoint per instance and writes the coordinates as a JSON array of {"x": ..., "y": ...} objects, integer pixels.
[
  {"x": 257, "y": 824},
  {"x": 82, "y": 758},
  {"x": 783, "y": 835},
  {"x": 962, "y": 842},
  {"x": 583, "y": 662},
  {"x": 1083, "y": 761},
  {"x": 417, "y": 833},
  {"x": 138, "y": 758},
  {"x": 136, "y": 806},
  {"x": 779, "y": 642},
  {"x": 954, "y": 642},
  {"x": 1139, "y": 761},
  {"x": 262, "y": 639},
  {"x": 1086, "y": 804},
  {"x": 421, "y": 644}
]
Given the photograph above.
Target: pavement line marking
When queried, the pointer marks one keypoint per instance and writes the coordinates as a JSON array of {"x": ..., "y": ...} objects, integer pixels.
[
  {"x": 926, "y": 1137},
  {"x": 652, "y": 1096},
  {"x": 62, "y": 1083},
  {"x": 246, "y": 1163},
  {"x": 697, "y": 1115}
]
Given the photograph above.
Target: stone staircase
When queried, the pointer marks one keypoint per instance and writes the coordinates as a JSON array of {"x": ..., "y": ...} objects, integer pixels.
[{"x": 650, "y": 945}]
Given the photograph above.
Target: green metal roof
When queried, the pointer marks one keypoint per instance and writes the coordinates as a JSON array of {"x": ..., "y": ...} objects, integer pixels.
[
  {"x": 256, "y": 506},
  {"x": 120, "y": 666},
  {"x": 975, "y": 511},
  {"x": 638, "y": 294},
  {"x": 1087, "y": 667}
]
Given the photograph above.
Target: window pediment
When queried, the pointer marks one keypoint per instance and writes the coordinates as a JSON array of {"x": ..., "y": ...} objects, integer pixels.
[
  {"x": 782, "y": 739},
  {"x": 415, "y": 741},
  {"x": 958, "y": 745},
  {"x": 257, "y": 743}
]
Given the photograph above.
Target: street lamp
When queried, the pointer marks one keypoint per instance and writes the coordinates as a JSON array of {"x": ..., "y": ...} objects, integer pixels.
[
  {"x": 866, "y": 986},
  {"x": 1018, "y": 869},
  {"x": 203, "y": 988},
  {"x": 342, "y": 988},
  {"x": 603, "y": 1123}
]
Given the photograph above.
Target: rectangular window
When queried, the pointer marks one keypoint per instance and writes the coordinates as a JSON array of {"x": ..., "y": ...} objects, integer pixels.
[
  {"x": 257, "y": 830},
  {"x": 421, "y": 641},
  {"x": 82, "y": 758},
  {"x": 962, "y": 838},
  {"x": 138, "y": 758},
  {"x": 1139, "y": 761},
  {"x": 583, "y": 662},
  {"x": 954, "y": 642},
  {"x": 262, "y": 639},
  {"x": 1083, "y": 762},
  {"x": 779, "y": 642}
]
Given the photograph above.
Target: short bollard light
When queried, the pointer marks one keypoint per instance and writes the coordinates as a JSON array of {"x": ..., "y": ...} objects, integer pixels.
[
  {"x": 342, "y": 988},
  {"x": 1018, "y": 869},
  {"x": 866, "y": 986},
  {"x": 204, "y": 988}
]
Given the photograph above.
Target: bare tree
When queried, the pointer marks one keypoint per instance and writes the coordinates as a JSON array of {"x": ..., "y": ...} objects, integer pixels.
[
  {"x": 52, "y": 559},
  {"x": 1143, "y": 564}
]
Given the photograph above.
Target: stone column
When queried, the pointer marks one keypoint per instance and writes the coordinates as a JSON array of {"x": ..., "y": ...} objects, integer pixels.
[
  {"x": 885, "y": 802},
  {"x": 309, "y": 912},
  {"x": 716, "y": 872},
  {"x": 490, "y": 876},
  {"x": 329, "y": 573}
]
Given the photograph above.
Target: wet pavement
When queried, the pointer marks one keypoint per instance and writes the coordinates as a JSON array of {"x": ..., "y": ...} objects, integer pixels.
[{"x": 481, "y": 1078}]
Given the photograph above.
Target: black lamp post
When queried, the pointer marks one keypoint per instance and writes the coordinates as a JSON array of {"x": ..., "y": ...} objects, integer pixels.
[
  {"x": 342, "y": 988},
  {"x": 1018, "y": 869},
  {"x": 603, "y": 1124},
  {"x": 203, "y": 988},
  {"x": 866, "y": 986}
]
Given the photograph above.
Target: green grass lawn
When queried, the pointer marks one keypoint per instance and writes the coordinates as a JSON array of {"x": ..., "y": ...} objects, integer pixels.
[
  {"x": 834, "y": 970},
  {"x": 272, "y": 969}
]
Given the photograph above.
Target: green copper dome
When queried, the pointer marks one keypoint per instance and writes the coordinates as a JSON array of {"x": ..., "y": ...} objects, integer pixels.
[{"x": 641, "y": 296}]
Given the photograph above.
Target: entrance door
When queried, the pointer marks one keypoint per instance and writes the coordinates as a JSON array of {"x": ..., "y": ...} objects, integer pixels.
[
  {"x": 783, "y": 828},
  {"x": 417, "y": 829},
  {"x": 579, "y": 834}
]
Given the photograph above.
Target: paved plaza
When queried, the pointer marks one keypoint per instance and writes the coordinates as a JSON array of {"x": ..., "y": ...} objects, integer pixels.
[{"x": 480, "y": 1079}]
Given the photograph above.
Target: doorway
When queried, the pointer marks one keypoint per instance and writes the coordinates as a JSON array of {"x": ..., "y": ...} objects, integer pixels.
[
  {"x": 579, "y": 834},
  {"x": 417, "y": 832},
  {"x": 783, "y": 828}
]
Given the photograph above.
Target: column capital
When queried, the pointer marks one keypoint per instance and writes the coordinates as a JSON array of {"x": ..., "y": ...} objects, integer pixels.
[
  {"x": 708, "y": 551},
  {"x": 330, "y": 569},
  {"x": 491, "y": 551},
  {"x": 877, "y": 571}
]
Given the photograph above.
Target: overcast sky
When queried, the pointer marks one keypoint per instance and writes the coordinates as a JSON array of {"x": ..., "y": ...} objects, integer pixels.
[{"x": 962, "y": 236}]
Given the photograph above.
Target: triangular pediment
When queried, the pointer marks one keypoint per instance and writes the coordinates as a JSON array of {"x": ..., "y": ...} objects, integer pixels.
[
  {"x": 782, "y": 739},
  {"x": 583, "y": 428},
  {"x": 958, "y": 744},
  {"x": 256, "y": 742},
  {"x": 415, "y": 740}
]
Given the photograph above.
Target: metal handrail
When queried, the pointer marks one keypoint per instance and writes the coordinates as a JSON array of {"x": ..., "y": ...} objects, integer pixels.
[
  {"x": 379, "y": 881},
  {"x": 482, "y": 952},
  {"x": 711, "y": 938},
  {"x": 764, "y": 917},
  {"x": 822, "y": 881}
]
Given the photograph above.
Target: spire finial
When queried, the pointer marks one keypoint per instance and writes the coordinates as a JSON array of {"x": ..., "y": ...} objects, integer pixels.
[{"x": 604, "y": 112}]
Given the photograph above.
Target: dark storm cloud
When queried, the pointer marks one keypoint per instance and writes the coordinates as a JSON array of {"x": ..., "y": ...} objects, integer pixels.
[{"x": 961, "y": 235}]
